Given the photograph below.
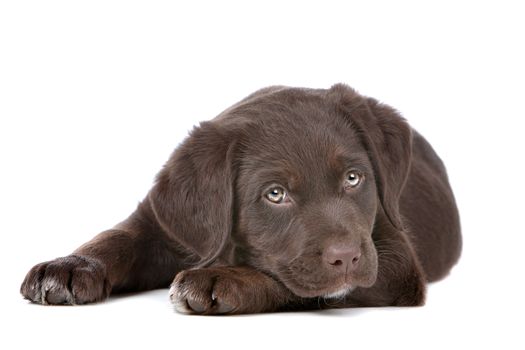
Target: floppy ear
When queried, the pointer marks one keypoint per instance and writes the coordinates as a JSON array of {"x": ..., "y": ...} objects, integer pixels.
[
  {"x": 388, "y": 139},
  {"x": 193, "y": 195}
]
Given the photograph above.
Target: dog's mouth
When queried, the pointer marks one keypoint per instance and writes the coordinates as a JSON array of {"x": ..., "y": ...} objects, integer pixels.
[{"x": 313, "y": 283}]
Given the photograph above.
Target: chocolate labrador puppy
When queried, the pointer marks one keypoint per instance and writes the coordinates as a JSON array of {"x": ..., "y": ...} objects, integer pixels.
[{"x": 291, "y": 199}]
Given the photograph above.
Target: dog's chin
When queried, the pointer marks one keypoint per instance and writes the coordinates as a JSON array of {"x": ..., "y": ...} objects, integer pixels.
[
  {"x": 332, "y": 292},
  {"x": 340, "y": 293},
  {"x": 339, "y": 288}
]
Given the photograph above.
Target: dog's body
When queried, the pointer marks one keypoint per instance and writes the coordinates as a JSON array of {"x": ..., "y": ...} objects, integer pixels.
[{"x": 287, "y": 196}]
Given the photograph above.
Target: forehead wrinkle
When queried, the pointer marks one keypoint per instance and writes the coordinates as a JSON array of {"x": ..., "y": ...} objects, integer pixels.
[
  {"x": 300, "y": 144},
  {"x": 279, "y": 172},
  {"x": 293, "y": 167},
  {"x": 342, "y": 159}
]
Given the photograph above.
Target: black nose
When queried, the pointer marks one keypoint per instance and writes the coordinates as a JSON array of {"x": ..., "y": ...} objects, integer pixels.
[{"x": 342, "y": 257}]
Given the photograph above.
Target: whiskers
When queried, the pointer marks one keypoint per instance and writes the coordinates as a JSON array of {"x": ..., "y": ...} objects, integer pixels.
[{"x": 333, "y": 301}]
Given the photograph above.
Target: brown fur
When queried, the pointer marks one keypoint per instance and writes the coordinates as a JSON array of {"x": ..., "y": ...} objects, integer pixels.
[{"x": 207, "y": 222}]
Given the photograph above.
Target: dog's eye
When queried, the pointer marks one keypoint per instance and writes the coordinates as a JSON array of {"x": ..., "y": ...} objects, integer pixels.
[
  {"x": 353, "y": 178},
  {"x": 276, "y": 195}
]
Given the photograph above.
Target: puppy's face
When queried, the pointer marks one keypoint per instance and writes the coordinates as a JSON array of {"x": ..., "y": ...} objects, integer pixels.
[
  {"x": 306, "y": 204},
  {"x": 293, "y": 180}
]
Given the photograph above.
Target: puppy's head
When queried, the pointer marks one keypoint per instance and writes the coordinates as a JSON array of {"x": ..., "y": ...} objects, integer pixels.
[{"x": 292, "y": 182}]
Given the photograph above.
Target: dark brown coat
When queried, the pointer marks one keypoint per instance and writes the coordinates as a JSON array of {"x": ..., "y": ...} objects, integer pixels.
[{"x": 291, "y": 199}]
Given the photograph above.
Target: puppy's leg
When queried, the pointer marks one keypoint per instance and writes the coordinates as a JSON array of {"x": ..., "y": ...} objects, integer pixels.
[
  {"x": 227, "y": 290},
  {"x": 136, "y": 255},
  {"x": 400, "y": 281}
]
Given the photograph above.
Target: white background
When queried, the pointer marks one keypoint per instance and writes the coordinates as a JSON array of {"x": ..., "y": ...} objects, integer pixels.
[{"x": 94, "y": 96}]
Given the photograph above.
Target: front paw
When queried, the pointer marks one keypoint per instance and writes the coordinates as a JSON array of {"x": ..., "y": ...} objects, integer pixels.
[
  {"x": 211, "y": 291},
  {"x": 67, "y": 281}
]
